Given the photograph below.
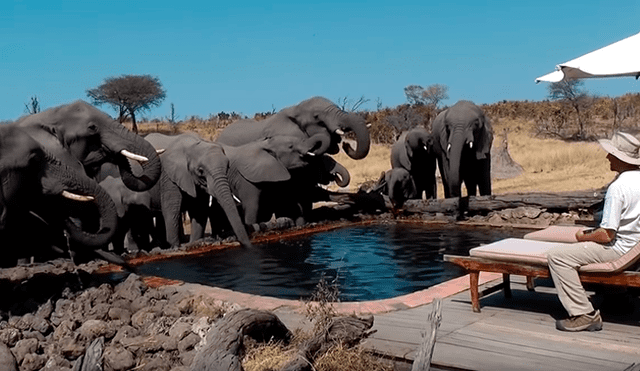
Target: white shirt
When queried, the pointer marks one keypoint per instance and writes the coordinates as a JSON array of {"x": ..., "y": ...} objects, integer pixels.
[{"x": 621, "y": 210}]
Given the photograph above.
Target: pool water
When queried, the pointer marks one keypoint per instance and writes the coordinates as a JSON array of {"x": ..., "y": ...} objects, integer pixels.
[{"x": 370, "y": 262}]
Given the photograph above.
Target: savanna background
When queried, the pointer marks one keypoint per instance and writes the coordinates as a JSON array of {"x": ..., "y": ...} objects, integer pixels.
[{"x": 554, "y": 141}]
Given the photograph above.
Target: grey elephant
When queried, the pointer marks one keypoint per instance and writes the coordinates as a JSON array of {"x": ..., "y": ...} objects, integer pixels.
[
  {"x": 261, "y": 174},
  {"x": 294, "y": 198},
  {"x": 80, "y": 135},
  {"x": 194, "y": 173},
  {"x": 414, "y": 152},
  {"x": 314, "y": 116},
  {"x": 38, "y": 192},
  {"x": 136, "y": 228},
  {"x": 462, "y": 141},
  {"x": 399, "y": 186}
]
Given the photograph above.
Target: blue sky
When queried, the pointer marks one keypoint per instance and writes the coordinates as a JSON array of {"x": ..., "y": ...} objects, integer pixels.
[{"x": 254, "y": 56}]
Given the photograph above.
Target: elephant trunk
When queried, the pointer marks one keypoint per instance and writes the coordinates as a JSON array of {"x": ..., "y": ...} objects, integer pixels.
[
  {"x": 317, "y": 144},
  {"x": 457, "y": 142},
  {"x": 357, "y": 124},
  {"x": 218, "y": 187},
  {"x": 340, "y": 175},
  {"x": 107, "y": 217},
  {"x": 118, "y": 139},
  {"x": 338, "y": 121}
]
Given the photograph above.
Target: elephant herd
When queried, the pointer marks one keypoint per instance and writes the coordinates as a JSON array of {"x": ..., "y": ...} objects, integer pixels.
[
  {"x": 459, "y": 143},
  {"x": 74, "y": 180}
]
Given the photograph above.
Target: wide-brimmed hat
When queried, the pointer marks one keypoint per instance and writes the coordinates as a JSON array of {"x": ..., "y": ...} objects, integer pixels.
[{"x": 624, "y": 146}]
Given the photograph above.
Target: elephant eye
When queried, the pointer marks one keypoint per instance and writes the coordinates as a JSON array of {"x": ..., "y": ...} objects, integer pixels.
[{"x": 92, "y": 128}]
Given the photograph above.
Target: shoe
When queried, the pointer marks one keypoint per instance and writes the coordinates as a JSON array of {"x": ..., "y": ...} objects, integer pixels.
[{"x": 589, "y": 322}]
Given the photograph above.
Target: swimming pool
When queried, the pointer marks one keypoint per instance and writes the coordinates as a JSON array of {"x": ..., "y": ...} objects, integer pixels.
[{"x": 371, "y": 262}]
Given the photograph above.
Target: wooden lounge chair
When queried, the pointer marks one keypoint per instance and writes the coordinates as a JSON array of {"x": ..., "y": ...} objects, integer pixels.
[{"x": 527, "y": 257}]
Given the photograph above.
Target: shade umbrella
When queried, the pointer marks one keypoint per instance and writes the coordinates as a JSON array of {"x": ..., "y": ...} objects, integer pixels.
[{"x": 619, "y": 59}]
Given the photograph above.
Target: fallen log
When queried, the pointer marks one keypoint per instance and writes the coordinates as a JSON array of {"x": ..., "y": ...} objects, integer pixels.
[
  {"x": 224, "y": 343},
  {"x": 345, "y": 330},
  {"x": 562, "y": 201},
  {"x": 224, "y": 348}
]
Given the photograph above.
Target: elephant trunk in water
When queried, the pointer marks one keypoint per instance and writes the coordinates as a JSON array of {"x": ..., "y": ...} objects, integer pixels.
[
  {"x": 79, "y": 184},
  {"x": 118, "y": 139},
  {"x": 218, "y": 187}
]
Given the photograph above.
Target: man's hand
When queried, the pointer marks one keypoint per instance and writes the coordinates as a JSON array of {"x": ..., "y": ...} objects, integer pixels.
[{"x": 599, "y": 235}]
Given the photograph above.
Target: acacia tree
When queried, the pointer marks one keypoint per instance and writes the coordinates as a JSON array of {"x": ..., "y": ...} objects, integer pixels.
[
  {"x": 128, "y": 94},
  {"x": 431, "y": 95},
  {"x": 571, "y": 92}
]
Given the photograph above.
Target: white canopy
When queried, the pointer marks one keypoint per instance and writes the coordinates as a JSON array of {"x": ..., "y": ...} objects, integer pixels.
[{"x": 621, "y": 58}]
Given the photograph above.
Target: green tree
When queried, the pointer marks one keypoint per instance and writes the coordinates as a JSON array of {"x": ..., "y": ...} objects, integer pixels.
[{"x": 129, "y": 94}]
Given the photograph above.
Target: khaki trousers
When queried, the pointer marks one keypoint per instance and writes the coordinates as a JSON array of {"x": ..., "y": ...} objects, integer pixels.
[{"x": 564, "y": 261}]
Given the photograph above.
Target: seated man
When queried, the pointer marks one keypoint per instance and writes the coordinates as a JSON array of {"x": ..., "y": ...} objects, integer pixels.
[{"x": 618, "y": 232}]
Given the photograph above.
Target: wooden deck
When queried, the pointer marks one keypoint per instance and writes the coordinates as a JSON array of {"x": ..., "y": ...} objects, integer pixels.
[{"x": 510, "y": 334}]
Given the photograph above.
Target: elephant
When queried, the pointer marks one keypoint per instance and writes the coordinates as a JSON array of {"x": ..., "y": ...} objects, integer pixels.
[
  {"x": 462, "y": 142},
  {"x": 400, "y": 186},
  {"x": 414, "y": 152},
  {"x": 39, "y": 193},
  {"x": 265, "y": 174},
  {"x": 136, "y": 228},
  {"x": 314, "y": 116},
  {"x": 194, "y": 173},
  {"x": 81, "y": 136},
  {"x": 295, "y": 198}
]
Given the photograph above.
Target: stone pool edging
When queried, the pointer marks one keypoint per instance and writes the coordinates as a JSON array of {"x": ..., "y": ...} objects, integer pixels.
[{"x": 407, "y": 301}]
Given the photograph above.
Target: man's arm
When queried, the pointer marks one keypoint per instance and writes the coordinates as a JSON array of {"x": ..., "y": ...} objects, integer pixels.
[{"x": 599, "y": 235}]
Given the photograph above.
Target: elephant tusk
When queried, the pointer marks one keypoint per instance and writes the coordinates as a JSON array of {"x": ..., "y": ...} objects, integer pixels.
[
  {"x": 210, "y": 200},
  {"x": 448, "y": 147},
  {"x": 236, "y": 198},
  {"x": 160, "y": 151},
  {"x": 425, "y": 147},
  {"x": 310, "y": 154},
  {"x": 369, "y": 125},
  {"x": 75, "y": 197},
  {"x": 471, "y": 145},
  {"x": 339, "y": 132},
  {"x": 133, "y": 156}
]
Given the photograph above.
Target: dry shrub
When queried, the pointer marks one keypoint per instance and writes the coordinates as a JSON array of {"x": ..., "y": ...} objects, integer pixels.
[
  {"x": 319, "y": 308},
  {"x": 272, "y": 356},
  {"x": 340, "y": 358},
  {"x": 369, "y": 168}
]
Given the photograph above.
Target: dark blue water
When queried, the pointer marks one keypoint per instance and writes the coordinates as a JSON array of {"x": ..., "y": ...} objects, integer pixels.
[{"x": 371, "y": 262}]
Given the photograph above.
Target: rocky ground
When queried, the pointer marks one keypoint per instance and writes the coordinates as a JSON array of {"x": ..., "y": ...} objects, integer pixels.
[{"x": 59, "y": 316}]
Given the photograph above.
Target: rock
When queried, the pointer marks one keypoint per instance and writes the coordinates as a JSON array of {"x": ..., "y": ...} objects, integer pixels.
[
  {"x": 7, "y": 360},
  {"x": 120, "y": 314},
  {"x": 45, "y": 310},
  {"x": 143, "y": 318},
  {"x": 125, "y": 332},
  {"x": 180, "y": 329},
  {"x": 188, "y": 342},
  {"x": 99, "y": 311},
  {"x": 133, "y": 287},
  {"x": 65, "y": 329},
  {"x": 117, "y": 358},
  {"x": 33, "y": 362},
  {"x": 24, "y": 347},
  {"x": 93, "y": 356},
  {"x": 70, "y": 348},
  {"x": 93, "y": 329},
  {"x": 10, "y": 336}
]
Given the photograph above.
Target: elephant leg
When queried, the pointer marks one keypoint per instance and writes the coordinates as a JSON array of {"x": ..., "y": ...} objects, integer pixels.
[
  {"x": 484, "y": 176},
  {"x": 171, "y": 203},
  {"x": 198, "y": 213},
  {"x": 250, "y": 203},
  {"x": 443, "y": 176}
]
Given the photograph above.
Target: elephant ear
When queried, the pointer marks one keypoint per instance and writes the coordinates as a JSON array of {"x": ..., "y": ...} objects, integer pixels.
[
  {"x": 175, "y": 164},
  {"x": 440, "y": 124},
  {"x": 256, "y": 164},
  {"x": 486, "y": 139}
]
